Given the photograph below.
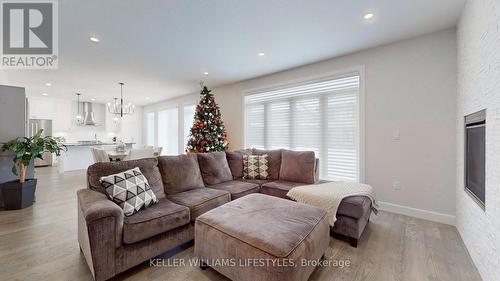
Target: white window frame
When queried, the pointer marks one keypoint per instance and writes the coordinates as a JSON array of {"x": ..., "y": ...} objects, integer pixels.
[
  {"x": 360, "y": 70},
  {"x": 163, "y": 106}
]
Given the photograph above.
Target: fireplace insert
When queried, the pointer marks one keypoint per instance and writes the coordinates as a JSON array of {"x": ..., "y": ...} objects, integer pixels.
[{"x": 475, "y": 162}]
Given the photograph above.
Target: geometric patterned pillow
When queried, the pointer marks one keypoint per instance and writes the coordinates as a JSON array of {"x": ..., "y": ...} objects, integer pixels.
[
  {"x": 255, "y": 167},
  {"x": 130, "y": 190}
]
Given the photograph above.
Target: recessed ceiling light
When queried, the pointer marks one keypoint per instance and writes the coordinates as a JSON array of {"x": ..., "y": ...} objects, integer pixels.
[
  {"x": 94, "y": 39},
  {"x": 45, "y": 94},
  {"x": 92, "y": 99},
  {"x": 48, "y": 84},
  {"x": 205, "y": 73},
  {"x": 368, "y": 16},
  {"x": 261, "y": 54}
]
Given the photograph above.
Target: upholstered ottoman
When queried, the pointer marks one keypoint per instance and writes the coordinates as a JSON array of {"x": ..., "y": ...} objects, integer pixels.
[{"x": 261, "y": 237}]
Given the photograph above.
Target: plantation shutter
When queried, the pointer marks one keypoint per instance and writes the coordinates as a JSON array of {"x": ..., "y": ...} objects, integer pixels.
[
  {"x": 255, "y": 130},
  {"x": 322, "y": 116}
]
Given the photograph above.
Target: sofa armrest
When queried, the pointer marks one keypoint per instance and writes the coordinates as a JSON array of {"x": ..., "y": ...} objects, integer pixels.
[
  {"x": 100, "y": 228},
  {"x": 96, "y": 205}
]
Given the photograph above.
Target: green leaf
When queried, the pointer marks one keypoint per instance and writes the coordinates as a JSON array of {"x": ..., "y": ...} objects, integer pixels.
[{"x": 26, "y": 149}]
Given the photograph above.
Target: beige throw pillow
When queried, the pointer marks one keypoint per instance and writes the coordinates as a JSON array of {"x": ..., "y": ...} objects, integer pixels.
[{"x": 255, "y": 167}]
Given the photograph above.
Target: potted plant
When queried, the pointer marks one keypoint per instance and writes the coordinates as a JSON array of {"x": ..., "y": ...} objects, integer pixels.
[{"x": 21, "y": 193}]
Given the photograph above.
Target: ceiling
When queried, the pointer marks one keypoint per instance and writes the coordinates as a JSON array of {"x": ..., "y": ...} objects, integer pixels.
[{"x": 161, "y": 49}]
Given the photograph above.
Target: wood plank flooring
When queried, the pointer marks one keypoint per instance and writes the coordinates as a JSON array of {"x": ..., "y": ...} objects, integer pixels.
[{"x": 40, "y": 243}]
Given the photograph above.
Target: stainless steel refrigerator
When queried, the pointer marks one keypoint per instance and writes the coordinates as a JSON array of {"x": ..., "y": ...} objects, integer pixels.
[
  {"x": 13, "y": 124},
  {"x": 34, "y": 126}
]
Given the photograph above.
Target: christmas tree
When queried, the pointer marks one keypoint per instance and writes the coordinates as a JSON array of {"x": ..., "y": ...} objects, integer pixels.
[{"x": 208, "y": 132}]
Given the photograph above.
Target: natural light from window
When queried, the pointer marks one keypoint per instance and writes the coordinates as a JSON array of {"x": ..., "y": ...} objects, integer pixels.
[
  {"x": 168, "y": 131},
  {"x": 322, "y": 116}
]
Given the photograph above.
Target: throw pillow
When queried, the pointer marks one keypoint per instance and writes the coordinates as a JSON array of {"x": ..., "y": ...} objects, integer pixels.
[
  {"x": 273, "y": 159},
  {"x": 214, "y": 167},
  {"x": 130, "y": 190},
  {"x": 180, "y": 173},
  {"x": 255, "y": 167},
  {"x": 298, "y": 166}
]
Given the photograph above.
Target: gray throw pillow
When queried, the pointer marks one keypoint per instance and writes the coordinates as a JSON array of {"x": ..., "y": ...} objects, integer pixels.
[
  {"x": 298, "y": 166},
  {"x": 130, "y": 190},
  {"x": 214, "y": 167},
  {"x": 180, "y": 173}
]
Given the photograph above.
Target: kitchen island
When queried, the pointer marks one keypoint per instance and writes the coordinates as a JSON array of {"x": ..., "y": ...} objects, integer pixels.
[{"x": 79, "y": 155}]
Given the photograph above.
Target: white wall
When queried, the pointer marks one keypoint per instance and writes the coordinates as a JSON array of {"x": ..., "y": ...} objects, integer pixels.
[
  {"x": 410, "y": 86},
  {"x": 131, "y": 127},
  {"x": 479, "y": 88}
]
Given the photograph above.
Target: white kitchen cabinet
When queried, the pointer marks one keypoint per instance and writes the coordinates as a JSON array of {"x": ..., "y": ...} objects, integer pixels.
[
  {"x": 42, "y": 108},
  {"x": 59, "y": 111},
  {"x": 63, "y": 118}
]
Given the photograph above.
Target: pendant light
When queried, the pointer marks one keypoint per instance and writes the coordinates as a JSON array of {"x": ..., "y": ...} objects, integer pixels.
[
  {"x": 119, "y": 107},
  {"x": 78, "y": 117}
]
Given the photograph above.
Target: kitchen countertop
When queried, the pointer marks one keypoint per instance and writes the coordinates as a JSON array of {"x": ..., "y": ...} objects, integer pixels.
[{"x": 93, "y": 144}]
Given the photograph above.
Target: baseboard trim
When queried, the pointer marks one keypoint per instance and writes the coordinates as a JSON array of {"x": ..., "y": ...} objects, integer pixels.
[{"x": 417, "y": 213}]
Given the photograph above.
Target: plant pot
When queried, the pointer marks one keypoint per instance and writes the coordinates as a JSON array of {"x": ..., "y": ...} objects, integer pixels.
[{"x": 18, "y": 195}]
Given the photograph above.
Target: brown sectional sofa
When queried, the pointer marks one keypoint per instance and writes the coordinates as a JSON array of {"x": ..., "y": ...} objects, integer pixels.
[{"x": 187, "y": 186}]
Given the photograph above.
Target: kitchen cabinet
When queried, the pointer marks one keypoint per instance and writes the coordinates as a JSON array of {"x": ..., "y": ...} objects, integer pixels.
[
  {"x": 59, "y": 111},
  {"x": 63, "y": 118},
  {"x": 42, "y": 109}
]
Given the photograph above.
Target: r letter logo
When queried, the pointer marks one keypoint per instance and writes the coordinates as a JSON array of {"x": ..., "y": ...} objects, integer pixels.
[{"x": 29, "y": 35}]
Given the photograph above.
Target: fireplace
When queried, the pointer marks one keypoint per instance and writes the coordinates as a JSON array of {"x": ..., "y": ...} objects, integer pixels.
[{"x": 475, "y": 150}]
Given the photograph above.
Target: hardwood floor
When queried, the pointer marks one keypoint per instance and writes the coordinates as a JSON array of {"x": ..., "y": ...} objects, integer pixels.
[{"x": 40, "y": 243}]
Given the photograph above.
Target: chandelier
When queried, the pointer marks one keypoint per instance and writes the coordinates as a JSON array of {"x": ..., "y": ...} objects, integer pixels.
[{"x": 119, "y": 107}]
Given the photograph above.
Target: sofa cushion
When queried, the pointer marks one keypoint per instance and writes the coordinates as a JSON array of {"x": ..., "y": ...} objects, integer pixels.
[
  {"x": 354, "y": 206},
  {"x": 235, "y": 161},
  {"x": 130, "y": 190},
  {"x": 180, "y": 173},
  {"x": 255, "y": 167},
  {"x": 274, "y": 161},
  {"x": 200, "y": 200},
  {"x": 214, "y": 167},
  {"x": 298, "y": 166},
  {"x": 237, "y": 188},
  {"x": 161, "y": 217},
  {"x": 278, "y": 188},
  {"x": 148, "y": 166}
]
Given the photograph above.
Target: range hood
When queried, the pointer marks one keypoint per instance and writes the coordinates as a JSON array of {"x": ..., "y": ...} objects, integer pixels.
[{"x": 88, "y": 113}]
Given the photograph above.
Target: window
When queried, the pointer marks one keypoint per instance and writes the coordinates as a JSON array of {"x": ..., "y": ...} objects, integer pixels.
[
  {"x": 168, "y": 131},
  {"x": 150, "y": 128},
  {"x": 188, "y": 122},
  {"x": 322, "y": 116}
]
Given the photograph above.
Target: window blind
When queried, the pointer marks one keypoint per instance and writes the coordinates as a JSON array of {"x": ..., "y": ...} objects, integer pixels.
[{"x": 322, "y": 116}]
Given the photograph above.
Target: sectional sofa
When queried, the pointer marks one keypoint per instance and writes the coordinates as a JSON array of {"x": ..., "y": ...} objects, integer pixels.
[{"x": 188, "y": 186}]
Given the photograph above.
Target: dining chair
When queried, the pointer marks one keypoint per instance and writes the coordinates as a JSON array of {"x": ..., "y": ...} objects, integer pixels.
[
  {"x": 139, "y": 153},
  {"x": 99, "y": 155}
]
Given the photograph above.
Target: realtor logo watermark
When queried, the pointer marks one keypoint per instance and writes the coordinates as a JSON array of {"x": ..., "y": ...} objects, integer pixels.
[{"x": 29, "y": 35}]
